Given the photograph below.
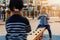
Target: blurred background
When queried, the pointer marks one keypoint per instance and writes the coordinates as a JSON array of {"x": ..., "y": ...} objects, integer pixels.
[
  {"x": 31, "y": 10},
  {"x": 52, "y": 8}
]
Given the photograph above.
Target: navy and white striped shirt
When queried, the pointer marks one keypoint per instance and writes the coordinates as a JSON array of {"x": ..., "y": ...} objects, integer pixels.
[{"x": 17, "y": 27}]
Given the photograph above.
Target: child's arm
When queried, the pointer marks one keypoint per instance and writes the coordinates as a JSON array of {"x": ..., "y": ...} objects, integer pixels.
[
  {"x": 39, "y": 17},
  {"x": 47, "y": 16},
  {"x": 28, "y": 27}
]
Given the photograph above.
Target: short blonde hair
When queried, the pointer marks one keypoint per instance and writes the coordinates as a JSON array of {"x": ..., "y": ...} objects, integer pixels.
[{"x": 43, "y": 7}]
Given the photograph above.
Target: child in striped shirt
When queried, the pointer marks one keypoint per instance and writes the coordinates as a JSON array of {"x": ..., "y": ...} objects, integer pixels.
[{"x": 17, "y": 26}]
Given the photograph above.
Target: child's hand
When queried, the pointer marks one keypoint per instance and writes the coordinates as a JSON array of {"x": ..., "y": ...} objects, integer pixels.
[
  {"x": 47, "y": 18},
  {"x": 45, "y": 15},
  {"x": 50, "y": 39}
]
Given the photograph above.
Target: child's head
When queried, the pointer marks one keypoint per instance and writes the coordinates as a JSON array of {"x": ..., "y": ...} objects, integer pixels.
[
  {"x": 15, "y": 4},
  {"x": 43, "y": 10}
]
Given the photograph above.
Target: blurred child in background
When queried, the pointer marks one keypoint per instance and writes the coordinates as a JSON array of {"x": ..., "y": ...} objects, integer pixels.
[{"x": 44, "y": 21}]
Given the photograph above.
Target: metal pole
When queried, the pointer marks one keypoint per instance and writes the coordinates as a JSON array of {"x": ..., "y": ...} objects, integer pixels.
[{"x": 41, "y": 7}]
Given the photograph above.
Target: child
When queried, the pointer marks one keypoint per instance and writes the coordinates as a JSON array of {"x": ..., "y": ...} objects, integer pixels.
[
  {"x": 44, "y": 21},
  {"x": 17, "y": 26}
]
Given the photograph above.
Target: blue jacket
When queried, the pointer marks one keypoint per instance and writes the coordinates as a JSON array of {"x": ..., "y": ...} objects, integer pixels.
[{"x": 43, "y": 19}]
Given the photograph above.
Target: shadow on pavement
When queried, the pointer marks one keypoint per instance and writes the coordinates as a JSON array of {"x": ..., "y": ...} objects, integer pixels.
[
  {"x": 55, "y": 37},
  {"x": 2, "y": 37}
]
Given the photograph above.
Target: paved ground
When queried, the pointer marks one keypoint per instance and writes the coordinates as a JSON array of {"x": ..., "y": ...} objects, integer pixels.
[{"x": 55, "y": 27}]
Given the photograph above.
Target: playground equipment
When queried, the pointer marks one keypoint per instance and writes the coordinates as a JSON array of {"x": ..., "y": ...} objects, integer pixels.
[{"x": 37, "y": 34}]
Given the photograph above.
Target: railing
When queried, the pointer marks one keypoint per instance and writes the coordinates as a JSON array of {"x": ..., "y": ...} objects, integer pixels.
[
  {"x": 24, "y": 13},
  {"x": 28, "y": 14}
]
